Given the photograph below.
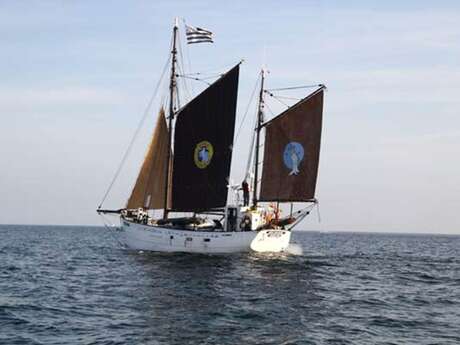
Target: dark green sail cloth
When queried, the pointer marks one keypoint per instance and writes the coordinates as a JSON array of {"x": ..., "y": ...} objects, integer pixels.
[{"x": 203, "y": 142}]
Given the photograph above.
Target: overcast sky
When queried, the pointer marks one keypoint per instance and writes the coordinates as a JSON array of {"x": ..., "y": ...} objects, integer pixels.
[{"x": 76, "y": 77}]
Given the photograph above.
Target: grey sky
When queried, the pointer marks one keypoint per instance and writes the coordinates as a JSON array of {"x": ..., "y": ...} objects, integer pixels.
[{"x": 76, "y": 77}]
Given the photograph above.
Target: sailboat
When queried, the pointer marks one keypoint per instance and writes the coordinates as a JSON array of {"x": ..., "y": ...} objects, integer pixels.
[{"x": 187, "y": 168}]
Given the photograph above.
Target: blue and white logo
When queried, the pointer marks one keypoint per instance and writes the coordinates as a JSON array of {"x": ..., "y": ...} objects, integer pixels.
[{"x": 292, "y": 156}]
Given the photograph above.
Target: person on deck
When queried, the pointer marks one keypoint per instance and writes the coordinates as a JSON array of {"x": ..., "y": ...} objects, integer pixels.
[{"x": 245, "y": 188}]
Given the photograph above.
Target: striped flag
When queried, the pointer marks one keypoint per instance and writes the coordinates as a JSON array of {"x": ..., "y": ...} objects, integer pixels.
[{"x": 197, "y": 35}]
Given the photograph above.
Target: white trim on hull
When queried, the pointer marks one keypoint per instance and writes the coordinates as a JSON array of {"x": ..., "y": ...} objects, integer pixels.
[{"x": 153, "y": 238}]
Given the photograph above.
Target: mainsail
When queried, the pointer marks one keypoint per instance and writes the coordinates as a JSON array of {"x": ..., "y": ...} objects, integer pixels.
[
  {"x": 203, "y": 142},
  {"x": 291, "y": 152},
  {"x": 149, "y": 190}
]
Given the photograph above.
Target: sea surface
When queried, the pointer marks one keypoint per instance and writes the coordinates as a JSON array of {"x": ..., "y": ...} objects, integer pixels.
[{"x": 76, "y": 285}]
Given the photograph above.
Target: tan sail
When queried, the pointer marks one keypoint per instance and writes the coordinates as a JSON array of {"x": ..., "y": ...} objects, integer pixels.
[{"x": 149, "y": 190}]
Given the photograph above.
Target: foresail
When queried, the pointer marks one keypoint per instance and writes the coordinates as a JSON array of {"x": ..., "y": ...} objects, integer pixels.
[
  {"x": 291, "y": 152},
  {"x": 203, "y": 147},
  {"x": 149, "y": 190}
]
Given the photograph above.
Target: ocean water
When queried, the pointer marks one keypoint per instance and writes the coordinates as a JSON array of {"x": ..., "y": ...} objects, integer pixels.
[{"x": 76, "y": 285}]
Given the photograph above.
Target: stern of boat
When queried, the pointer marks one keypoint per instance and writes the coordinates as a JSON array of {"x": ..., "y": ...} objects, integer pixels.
[{"x": 271, "y": 240}]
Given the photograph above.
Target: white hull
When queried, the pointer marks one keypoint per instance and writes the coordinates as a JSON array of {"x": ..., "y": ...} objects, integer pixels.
[{"x": 153, "y": 238}]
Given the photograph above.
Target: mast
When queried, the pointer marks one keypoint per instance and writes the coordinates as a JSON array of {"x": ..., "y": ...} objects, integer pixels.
[
  {"x": 260, "y": 114},
  {"x": 172, "y": 86}
]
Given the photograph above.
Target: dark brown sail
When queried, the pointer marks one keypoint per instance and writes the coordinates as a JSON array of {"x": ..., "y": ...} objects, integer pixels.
[
  {"x": 291, "y": 154},
  {"x": 149, "y": 191},
  {"x": 203, "y": 147}
]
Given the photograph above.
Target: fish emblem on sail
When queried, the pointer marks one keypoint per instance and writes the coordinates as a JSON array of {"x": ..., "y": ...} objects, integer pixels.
[
  {"x": 292, "y": 156},
  {"x": 203, "y": 154}
]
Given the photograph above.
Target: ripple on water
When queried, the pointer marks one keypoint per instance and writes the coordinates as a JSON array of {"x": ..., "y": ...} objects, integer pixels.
[{"x": 75, "y": 285}]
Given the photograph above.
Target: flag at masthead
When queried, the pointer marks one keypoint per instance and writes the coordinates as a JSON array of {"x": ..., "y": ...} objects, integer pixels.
[{"x": 197, "y": 35}]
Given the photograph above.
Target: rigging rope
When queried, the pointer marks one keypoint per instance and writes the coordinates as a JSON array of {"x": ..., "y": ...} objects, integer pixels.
[
  {"x": 296, "y": 87},
  {"x": 187, "y": 53},
  {"x": 317, "y": 211},
  {"x": 133, "y": 139},
  {"x": 247, "y": 108},
  {"x": 184, "y": 76},
  {"x": 112, "y": 228},
  {"x": 214, "y": 70},
  {"x": 269, "y": 109},
  {"x": 273, "y": 96},
  {"x": 181, "y": 68},
  {"x": 177, "y": 105},
  {"x": 211, "y": 76},
  {"x": 285, "y": 97}
]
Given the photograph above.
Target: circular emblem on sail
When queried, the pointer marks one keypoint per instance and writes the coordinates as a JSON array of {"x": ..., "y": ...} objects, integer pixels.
[
  {"x": 292, "y": 156},
  {"x": 203, "y": 154}
]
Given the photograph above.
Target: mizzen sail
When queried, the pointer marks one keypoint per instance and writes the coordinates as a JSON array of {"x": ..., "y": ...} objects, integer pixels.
[
  {"x": 291, "y": 152},
  {"x": 203, "y": 142},
  {"x": 149, "y": 190}
]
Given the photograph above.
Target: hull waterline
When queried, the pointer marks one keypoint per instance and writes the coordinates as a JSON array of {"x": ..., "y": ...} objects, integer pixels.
[{"x": 159, "y": 239}]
